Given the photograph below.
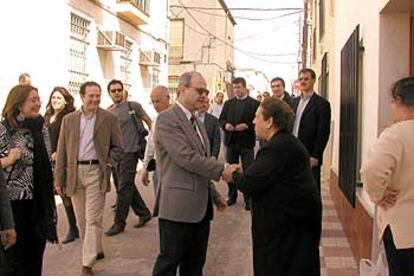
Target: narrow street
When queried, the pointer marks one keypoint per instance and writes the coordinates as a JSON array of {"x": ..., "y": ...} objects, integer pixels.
[{"x": 134, "y": 251}]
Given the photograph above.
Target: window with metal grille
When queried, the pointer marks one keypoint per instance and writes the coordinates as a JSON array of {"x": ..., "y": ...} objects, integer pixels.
[
  {"x": 349, "y": 114},
  {"x": 79, "y": 30},
  {"x": 176, "y": 48},
  {"x": 173, "y": 87},
  {"x": 155, "y": 77},
  {"x": 125, "y": 67}
]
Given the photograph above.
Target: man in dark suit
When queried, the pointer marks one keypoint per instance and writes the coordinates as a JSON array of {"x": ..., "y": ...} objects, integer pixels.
[
  {"x": 236, "y": 119},
  {"x": 212, "y": 127},
  {"x": 278, "y": 90},
  {"x": 185, "y": 197},
  {"x": 312, "y": 121}
]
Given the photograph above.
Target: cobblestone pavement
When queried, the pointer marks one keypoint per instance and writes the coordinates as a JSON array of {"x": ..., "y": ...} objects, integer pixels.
[{"x": 229, "y": 254}]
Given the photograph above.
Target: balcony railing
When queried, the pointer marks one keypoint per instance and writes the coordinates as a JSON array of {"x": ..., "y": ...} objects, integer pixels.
[
  {"x": 134, "y": 11},
  {"x": 175, "y": 53}
]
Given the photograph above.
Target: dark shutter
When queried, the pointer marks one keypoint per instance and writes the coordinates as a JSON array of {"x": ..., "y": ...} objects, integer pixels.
[{"x": 348, "y": 147}]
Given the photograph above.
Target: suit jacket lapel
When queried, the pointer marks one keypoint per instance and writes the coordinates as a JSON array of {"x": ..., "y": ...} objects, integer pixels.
[
  {"x": 99, "y": 120},
  {"x": 188, "y": 128},
  {"x": 311, "y": 102},
  {"x": 76, "y": 128}
]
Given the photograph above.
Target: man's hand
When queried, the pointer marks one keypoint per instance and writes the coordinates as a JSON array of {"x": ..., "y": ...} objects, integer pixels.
[
  {"x": 8, "y": 238},
  {"x": 314, "y": 162},
  {"x": 389, "y": 199},
  {"x": 53, "y": 157},
  {"x": 241, "y": 127},
  {"x": 229, "y": 127},
  {"x": 60, "y": 190},
  {"x": 228, "y": 172},
  {"x": 145, "y": 178}
]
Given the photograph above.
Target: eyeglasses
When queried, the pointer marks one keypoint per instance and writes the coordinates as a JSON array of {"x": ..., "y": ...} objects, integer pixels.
[{"x": 119, "y": 90}]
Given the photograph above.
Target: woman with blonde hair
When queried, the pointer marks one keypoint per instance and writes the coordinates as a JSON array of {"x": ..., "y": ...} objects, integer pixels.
[{"x": 25, "y": 157}]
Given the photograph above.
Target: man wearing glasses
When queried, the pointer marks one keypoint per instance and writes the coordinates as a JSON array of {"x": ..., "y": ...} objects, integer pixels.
[
  {"x": 130, "y": 116},
  {"x": 312, "y": 121}
]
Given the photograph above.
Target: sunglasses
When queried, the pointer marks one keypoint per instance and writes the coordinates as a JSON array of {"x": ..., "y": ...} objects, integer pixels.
[{"x": 116, "y": 90}]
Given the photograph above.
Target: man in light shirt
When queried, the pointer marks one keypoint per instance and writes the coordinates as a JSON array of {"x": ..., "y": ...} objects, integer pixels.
[
  {"x": 216, "y": 108},
  {"x": 89, "y": 144},
  {"x": 312, "y": 121}
]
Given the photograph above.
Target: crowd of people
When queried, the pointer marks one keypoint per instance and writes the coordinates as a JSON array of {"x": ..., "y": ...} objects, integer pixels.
[{"x": 73, "y": 153}]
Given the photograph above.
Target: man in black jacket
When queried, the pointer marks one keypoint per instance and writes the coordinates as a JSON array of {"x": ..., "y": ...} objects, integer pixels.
[
  {"x": 278, "y": 90},
  {"x": 312, "y": 121},
  {"x": 236, "y": 119}
]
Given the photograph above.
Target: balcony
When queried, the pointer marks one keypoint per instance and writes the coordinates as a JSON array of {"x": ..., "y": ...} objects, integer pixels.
[
  {"x": 134, "y": 11},
  {"x": 175, "y": 54}
]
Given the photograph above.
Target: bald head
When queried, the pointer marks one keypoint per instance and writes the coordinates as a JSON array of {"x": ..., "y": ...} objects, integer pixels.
[{"x": 160, "y": 98}]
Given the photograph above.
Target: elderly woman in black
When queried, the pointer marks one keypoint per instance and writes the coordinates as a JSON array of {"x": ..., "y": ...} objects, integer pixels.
[
  {"x": 24, "y": 155},
  {"x": 60, "y": 104},
  {"x": 286, "y": 205}
]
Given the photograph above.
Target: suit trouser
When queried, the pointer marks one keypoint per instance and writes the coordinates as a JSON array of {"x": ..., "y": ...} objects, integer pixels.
[
  {"x": 400, "y": 261},
  {"x": 232, "y": 156},
  {"x": 88, "y": 202},
  {"x": 26, "y": 256},
  {"x": 184, "y": 245},
  {"x": 316, "y": 171},
  {"x": 127, "y": 193}
]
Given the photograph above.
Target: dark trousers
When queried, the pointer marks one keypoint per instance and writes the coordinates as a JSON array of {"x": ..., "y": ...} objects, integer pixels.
[
  {"x": 316, "y": 171},
  {"x": 70, "y": 214},
  {"x": 25, "y": 258},
  {"x": 183, "y": 245},
  {"x": 400, "y": 261},
  {"x": 232, "y": 156},
  {"x": 127, "y": 192}
]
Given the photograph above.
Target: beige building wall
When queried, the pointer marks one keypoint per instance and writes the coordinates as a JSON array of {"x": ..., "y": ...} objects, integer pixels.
[
  {"x": 42, "y": 42},
  {"x": 207, "y": 44}
]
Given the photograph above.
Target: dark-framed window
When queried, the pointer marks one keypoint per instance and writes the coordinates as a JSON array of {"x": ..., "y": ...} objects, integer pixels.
[
  {"x": 321, "y": 18},
  {"x": 324, "y": 83},
  {"x": 349, "y": 117}
]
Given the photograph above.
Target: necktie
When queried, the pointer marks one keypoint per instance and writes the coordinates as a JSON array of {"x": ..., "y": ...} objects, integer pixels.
[{"x": 198, "y": 133}]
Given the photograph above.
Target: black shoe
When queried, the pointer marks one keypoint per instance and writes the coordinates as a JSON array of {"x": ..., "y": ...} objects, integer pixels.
[
  {"x": 115, "y": 230},
  {"x": 100, "y": 256},
  {"x": 248, "y": 206},
  {"x": 231, "y": 202},
  {"x": 70, "y": 237},
  {"x": 143, "y": 220}
]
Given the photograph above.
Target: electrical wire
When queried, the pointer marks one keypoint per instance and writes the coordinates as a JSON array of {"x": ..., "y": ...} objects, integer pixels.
[
  {"x": 238, "y": 9},
  {"x": 248, "y": 18}
]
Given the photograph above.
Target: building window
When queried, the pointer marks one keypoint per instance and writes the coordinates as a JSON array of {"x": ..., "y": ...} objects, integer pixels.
[
  {"x": 324, "y": 81},
  {"x": 125, "y": 67},
  {"x": 321, "y": 18},
  {"x": 155, "y": 77},
  {"x": 79, "y": 30},
  {"x": 349, "y": 114},
  {"x": 176, "y": 49},
  {"x": 314, "y": 45},
  {"x": 173, "y": 87}
]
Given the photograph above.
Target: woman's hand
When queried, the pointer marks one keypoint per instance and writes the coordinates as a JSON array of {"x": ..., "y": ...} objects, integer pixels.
[
  {"x": 14, "y": 155},
  {"x": 389, "y": 199},
  {"x": 53, "y": 157}
]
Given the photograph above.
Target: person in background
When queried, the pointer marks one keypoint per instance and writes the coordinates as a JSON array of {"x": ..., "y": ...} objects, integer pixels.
[
  {"x": 212, "y": 126},
  {"x": 387, "y": 174},
  {"x": 160, "y": 98},
  {"x": 259, "y": 97},
  {"x": 89, "y": 145},
  {"x": 286, "y": 205},
  {"x": 25, "y": 157},
  {"x": 278, "y": 90},
  {"x": 24, "y": 79},
  {"x": 265, "y": 95},
  {"x": 60, "y": 104},
  {"x": 216, "y": 108},
  {"x": 236, "y": 120},
  {"x": 312, "y": 121}
]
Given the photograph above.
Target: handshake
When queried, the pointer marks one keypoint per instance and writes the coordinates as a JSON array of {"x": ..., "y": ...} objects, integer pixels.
[{"x": 228, "y": 171}]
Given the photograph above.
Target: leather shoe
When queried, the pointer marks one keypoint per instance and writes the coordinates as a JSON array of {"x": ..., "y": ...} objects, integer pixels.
[
  {"x": 100, "y": 256},
  {"x": 143, "y": 220},
  {"x": 86, "y": 271},
  {"x": 230, "y": 202},
  {"x": 115, "y": 230},
  {"x": 70, "y": 237}
]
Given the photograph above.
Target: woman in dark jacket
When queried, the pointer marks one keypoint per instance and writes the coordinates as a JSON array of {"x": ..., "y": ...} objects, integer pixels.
[
  {"x": 60, "y": 104},
  {"x": 286, "y": 205},
  {"x": 25, "y": 157}
]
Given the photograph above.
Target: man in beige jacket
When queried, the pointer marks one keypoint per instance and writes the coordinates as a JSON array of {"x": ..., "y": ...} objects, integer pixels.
[{"x": 89, "y": 143}]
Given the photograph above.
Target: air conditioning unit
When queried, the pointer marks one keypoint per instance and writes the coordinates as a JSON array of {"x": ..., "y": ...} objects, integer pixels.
[{"x": 111, "y": 40}]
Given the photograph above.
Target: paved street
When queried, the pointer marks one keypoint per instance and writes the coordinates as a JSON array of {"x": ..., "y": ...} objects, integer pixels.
[
  {"x": 229, "y": 254},
  {"x": 134, "y": 251}
]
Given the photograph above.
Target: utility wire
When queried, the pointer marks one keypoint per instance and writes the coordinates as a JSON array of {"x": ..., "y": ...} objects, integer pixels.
[
  {"x": 225, "y": 42},
  {"x": 248, "y": 18},
  {"x": 238, "y": 9}
]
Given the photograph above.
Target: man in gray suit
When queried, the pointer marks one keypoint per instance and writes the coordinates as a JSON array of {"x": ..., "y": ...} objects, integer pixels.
[{"x": 184, "y": 203}]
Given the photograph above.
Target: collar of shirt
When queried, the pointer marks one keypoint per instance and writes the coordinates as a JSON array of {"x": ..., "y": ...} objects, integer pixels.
[
  {"x": 306, "y": 96},
  {"x": 242, "y": 98},
  {"x": 87, "y": 117},
  {"x": 187, "y": 113},
  {"x": 200, "y": 115}
]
